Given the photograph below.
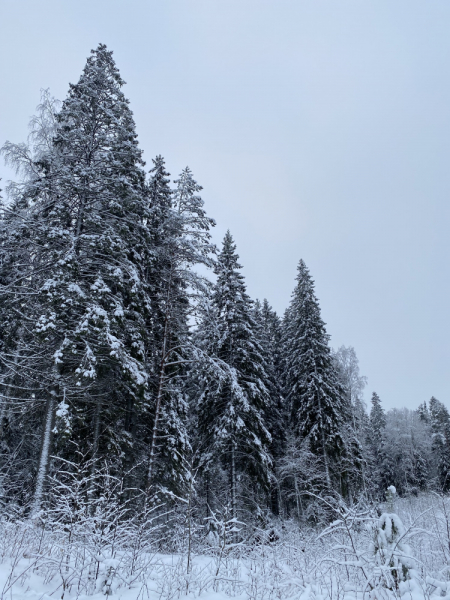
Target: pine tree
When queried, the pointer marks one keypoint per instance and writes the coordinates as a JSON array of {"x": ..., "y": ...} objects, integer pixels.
[
  {"x": 319, "y": 409},
  {"x": 231, "y": 409}
]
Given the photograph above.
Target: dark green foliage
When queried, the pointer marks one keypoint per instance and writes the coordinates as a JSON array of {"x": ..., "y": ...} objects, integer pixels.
[
  {"x": 320, "y": 410},
  {"x": 232, "y": 409}
]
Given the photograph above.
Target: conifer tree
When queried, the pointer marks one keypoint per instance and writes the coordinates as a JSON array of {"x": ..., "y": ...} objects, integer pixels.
[
  {"x": 423, "y": 412},
  {"x": 87, "y": 226},
  {"x": 181, "y": 239},
  {"x": 377, "y": 423},
  {"x": 268, "y": 333},
  {"x": 439, "y": 415},
  {"x": 378, "y": 460},
  {"x": 319, "y": 408},
  {"x": 231, "y": 410}
]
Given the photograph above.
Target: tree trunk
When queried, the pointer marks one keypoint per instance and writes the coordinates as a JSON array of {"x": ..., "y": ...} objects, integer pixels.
[
  {"x": 45, "y": 453},
  {"x": 233, "y": 482},
  {"x": 130, "y": 427},
  {"x": 151, "y": 459},
  {"x": 207, "y": 495},
  {"x": 325, "y": 461},
  {"x": 274, "y": 498},
  {"x": 9, "y": 380},
  {"x": 297, "y": 498},
  {"x": 95, "y": 446},
  {"x": 4, "y": 405},
  {"x": 96, "y": 440}
]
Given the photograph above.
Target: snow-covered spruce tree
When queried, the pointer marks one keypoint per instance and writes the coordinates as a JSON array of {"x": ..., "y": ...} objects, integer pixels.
[
  {"x": 374, "y": 439},
  {"x": 439, "y": 415},
  {"x": 181, "y": 240},
  {"x": 231, "y": 409},
  {"x": 268, "y": 333},
  {"x": 423, "y": 412},
  {"x": 319, "y": 408},
  {"x": 377, "y": 422},
  {"x": 88, "y": 215}
]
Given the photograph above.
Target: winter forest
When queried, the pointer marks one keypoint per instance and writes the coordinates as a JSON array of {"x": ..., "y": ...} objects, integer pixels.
[{"x": 162, "y": 434}]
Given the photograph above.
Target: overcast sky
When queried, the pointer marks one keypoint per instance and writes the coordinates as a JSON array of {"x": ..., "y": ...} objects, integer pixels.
[{"x": 318, "y": 129}]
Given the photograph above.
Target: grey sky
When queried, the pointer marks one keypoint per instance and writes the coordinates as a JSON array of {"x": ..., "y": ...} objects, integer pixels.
[{"x": 319, "y": 130}]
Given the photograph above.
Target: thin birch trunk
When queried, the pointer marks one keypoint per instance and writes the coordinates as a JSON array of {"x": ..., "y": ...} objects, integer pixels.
[{"x": 45, "y": 453}]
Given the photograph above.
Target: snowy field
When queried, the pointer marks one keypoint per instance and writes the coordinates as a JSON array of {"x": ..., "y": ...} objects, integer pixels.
[{"x": 400, "y": 554}]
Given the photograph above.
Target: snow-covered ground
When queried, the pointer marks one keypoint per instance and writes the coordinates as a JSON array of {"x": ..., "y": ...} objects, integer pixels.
[{"x": 404, "y": 553}]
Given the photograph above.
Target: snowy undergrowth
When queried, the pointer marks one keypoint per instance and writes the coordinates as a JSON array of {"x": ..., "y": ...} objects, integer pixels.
[{"x": 402, "y": 554}]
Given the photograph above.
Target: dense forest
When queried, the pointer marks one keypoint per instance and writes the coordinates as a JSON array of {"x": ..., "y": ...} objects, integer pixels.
[{"x": 138, "y": 379}]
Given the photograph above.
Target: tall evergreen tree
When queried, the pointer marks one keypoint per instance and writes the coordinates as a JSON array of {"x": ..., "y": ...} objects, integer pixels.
[
  {"x": 378, "y": 460},
  {"x": 423, "y": 412},
  {"x": 439, "y": 415},
  {"x": 88, "y": 236},
  {"x": 268, "y": 333},
  {"x": 231, "y": 410},
  {"x": 181, "y": 240},
  {"x": 319, "y": 408},
  {"x": 377, "y": 422}
]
